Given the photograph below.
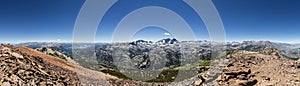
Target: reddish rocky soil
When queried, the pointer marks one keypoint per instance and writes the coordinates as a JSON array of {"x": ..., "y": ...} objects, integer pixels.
[
  {"x": 263, "y": 68},
  {"x": 24, "y": 66}
]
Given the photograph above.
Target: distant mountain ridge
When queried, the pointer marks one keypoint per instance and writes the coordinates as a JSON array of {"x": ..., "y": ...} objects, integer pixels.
[
  {"x": 53, "y": 52},
  {"x": 168, "y": 53},
  {"x": 287, "y": 49},
  {"x": 162, "y": 41},
  {"x": 168, "y": 41}
]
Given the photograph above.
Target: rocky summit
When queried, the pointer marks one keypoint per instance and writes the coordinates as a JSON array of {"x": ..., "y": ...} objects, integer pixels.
[
  {"x": 19, "y": 68},
  {"x": 262, "y": 68},
  {"x": 22, "y": 66}
]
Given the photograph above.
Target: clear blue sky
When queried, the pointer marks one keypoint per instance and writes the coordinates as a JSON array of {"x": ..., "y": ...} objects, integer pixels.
[{"x": 52, "y": 20}]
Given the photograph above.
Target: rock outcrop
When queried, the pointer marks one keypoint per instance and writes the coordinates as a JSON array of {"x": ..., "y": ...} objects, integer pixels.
[
  {"x": 22, "y": 66},
  {"x": 263, "y": 68},
  {"x": 20, "y": 69}
]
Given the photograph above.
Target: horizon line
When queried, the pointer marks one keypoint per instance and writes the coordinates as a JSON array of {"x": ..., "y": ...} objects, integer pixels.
[{"x": 226, "y": 41}]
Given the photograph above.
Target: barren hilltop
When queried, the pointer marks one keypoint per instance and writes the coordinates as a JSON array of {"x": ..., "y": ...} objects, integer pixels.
[
  {"x": 262, "y": 68},
  {"x": 25, "y": 66}
]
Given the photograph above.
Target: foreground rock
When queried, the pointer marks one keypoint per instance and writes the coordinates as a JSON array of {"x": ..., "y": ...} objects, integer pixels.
[
  {"x": 22, "y": 66},
  {"x": 264, "y": 68},
  {"x": 20, "y": 69}
]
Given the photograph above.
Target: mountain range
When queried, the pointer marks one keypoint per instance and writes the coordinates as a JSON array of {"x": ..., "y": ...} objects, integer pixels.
[{"x": 169, "y": 54}]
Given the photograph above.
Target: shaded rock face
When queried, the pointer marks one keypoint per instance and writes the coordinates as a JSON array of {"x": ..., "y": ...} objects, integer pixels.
[
  {"x": 19, "y": 69},
  {"x": 168, "y": 41},
  {"x": 241, "y": 77}
]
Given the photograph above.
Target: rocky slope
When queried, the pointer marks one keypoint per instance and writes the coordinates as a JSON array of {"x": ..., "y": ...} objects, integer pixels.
[
  {"x": 25, "y": 66},
  {"x": 19, "y": 68},
  {"x": 263, "y": 68}
]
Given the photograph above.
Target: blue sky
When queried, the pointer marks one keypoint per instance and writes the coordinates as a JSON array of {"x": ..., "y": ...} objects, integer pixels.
[
  {"x": 275, "y": 20},
  {"x": 53, "y": 20},
  {"x": 156, "y": 34}
]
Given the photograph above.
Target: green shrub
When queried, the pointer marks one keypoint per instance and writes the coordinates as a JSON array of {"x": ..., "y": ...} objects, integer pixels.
[
  {"x": 205, "y": 63},
  {"x": 115, "y": 73},
  {"x": 167, "y": 75}
]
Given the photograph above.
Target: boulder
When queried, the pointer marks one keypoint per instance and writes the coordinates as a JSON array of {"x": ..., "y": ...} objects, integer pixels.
[{"x": 247, "y": 82}]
